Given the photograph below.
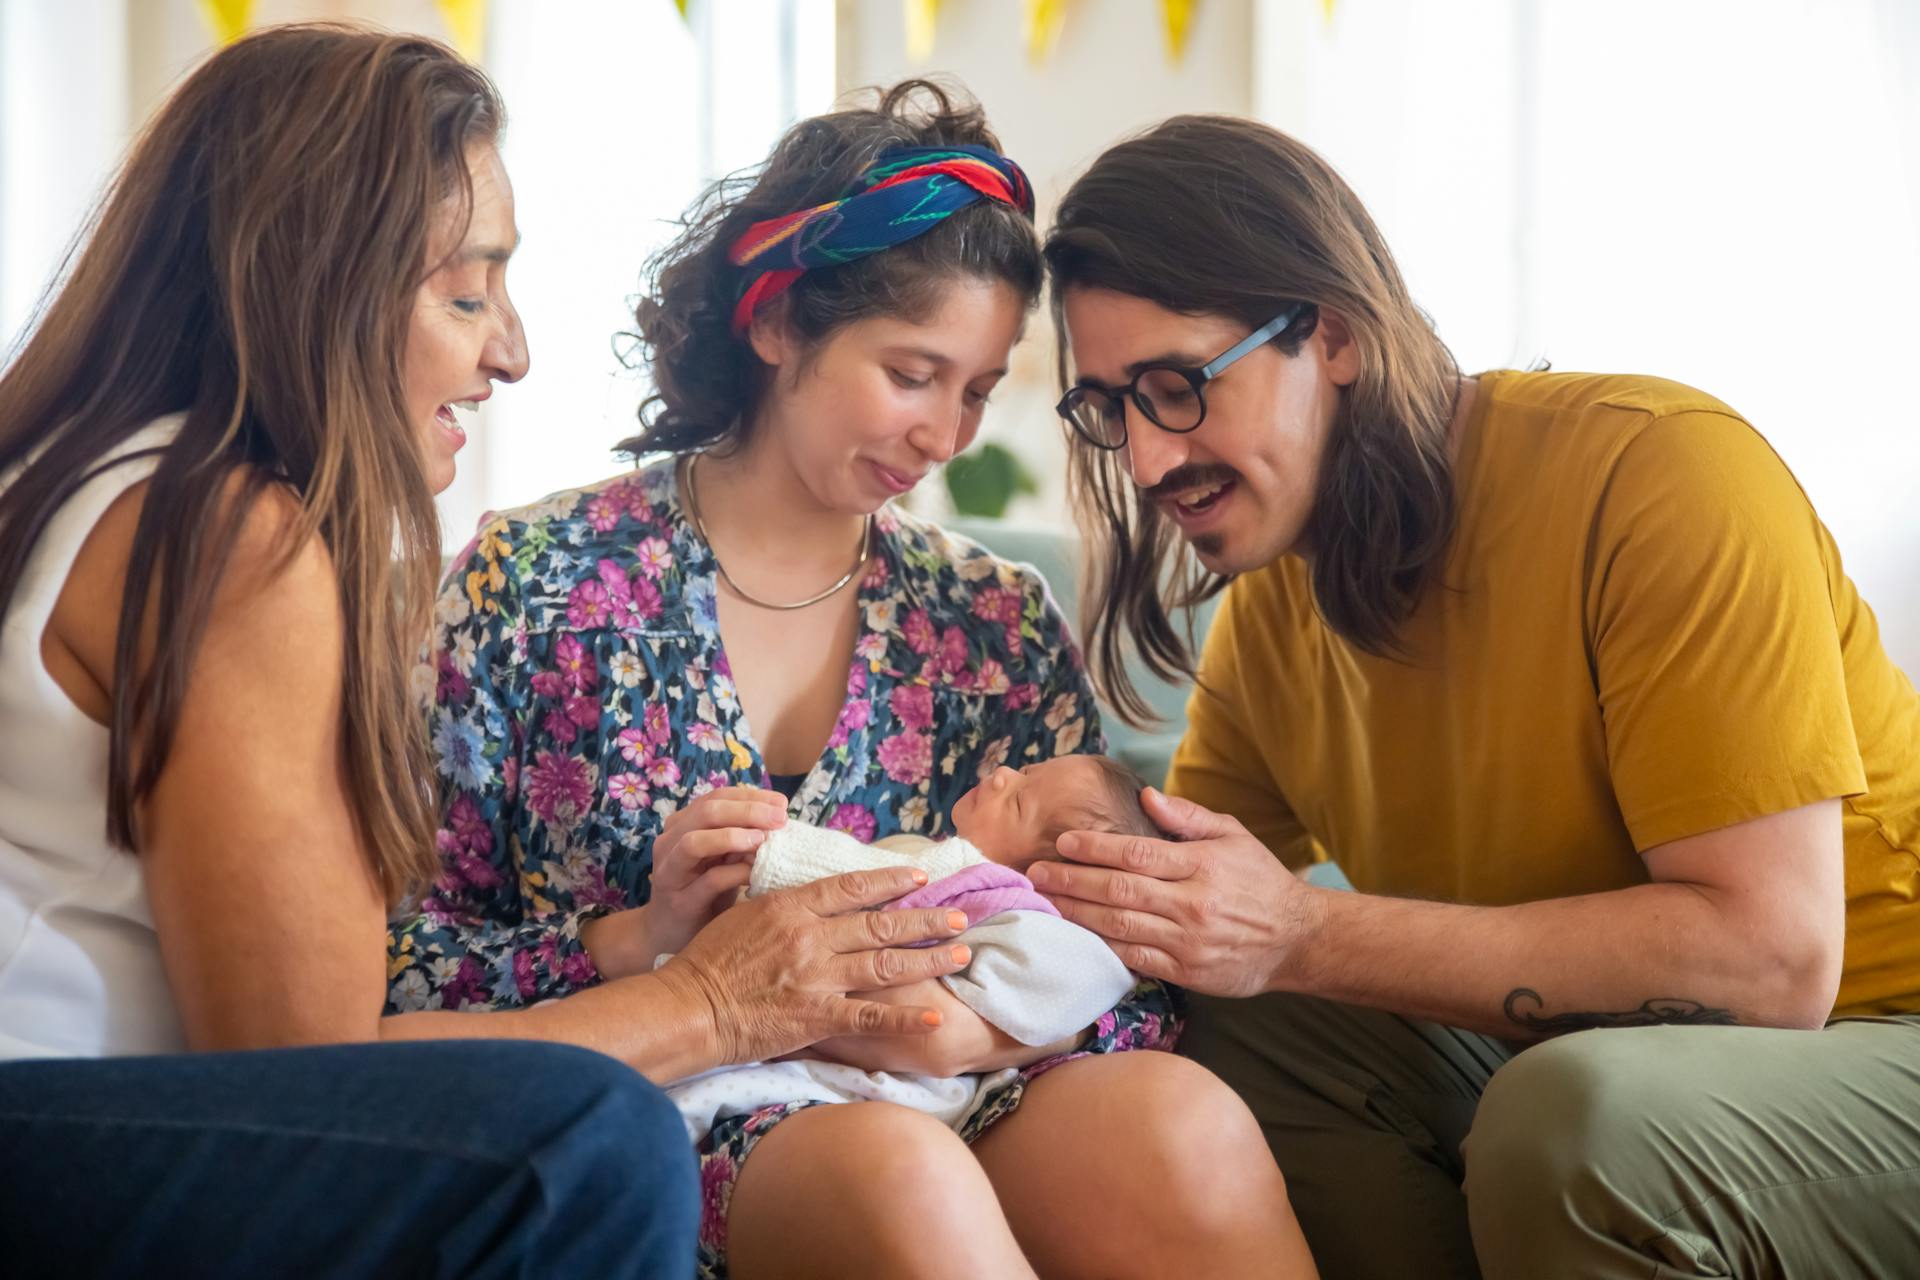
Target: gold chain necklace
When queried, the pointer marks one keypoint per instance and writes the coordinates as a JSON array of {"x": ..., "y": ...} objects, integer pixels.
[{"x": 700, "y": 527}]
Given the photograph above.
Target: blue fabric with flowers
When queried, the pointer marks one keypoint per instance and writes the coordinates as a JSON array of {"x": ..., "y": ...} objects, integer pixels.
[{"x": 580, "y": 693}]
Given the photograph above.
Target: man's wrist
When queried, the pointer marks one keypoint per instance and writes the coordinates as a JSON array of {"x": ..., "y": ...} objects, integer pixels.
[{"x": 1301, "y": 927}]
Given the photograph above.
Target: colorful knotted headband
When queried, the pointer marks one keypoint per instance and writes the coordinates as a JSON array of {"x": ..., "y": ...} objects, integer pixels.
[{"x": 904, "y": 194}]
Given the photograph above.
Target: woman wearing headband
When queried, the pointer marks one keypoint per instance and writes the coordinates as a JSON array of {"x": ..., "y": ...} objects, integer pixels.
[{"x": 639, "y": 678}]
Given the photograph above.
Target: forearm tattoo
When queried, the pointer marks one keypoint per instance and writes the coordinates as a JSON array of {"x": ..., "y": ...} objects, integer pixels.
[{"x": 1663, "y": 1011}]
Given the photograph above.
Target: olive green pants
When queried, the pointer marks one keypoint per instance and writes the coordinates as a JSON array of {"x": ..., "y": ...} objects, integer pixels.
[{"x": 1413, "y": 1150}]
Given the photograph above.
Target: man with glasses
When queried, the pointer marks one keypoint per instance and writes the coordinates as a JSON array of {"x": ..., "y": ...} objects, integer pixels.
[{"x": 1565, "y": 672}]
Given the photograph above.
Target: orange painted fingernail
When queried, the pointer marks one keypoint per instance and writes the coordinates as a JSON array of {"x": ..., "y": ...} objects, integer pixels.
[
  {"x": 956, "y": 919},
  {"x": 919, "y": 877},
  {"x": 931, "y": 1017},
  {"x": 961, "y": 954}
]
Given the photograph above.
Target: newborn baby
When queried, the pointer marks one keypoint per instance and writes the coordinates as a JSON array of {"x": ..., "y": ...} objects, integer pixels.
[
  {"x": 1012, "y": 819},
  {"x": 1033, "y": 975}
]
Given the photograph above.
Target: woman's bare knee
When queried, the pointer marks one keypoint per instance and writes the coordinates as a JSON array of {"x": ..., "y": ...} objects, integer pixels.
[
  {"x": 1140, "y": 1162},
  {"x": 866, "y": 1188}
]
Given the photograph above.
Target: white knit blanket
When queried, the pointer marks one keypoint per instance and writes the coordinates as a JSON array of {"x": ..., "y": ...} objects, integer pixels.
[{"x": 1034, "y": 976}]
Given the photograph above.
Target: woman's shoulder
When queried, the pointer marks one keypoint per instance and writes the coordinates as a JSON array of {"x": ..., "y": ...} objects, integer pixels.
[
  {"x": 610, "y": 543},
  {"x": 951, "y": 574},
  {"x": 609, "y": 510}
]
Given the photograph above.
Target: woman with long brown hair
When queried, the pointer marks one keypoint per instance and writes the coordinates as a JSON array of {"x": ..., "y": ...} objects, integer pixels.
[
  {"x": 1564, "y": 671},
  {"x": 218, "y": 446}
]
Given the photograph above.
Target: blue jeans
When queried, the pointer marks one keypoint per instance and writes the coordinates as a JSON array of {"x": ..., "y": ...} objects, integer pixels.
[{"x": 455, "y": 1158}]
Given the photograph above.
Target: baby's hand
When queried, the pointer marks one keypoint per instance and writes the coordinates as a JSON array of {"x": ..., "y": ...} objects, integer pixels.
[{"x": 703, "y": 857}]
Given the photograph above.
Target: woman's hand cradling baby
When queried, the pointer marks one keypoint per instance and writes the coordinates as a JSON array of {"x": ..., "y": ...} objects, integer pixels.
[
  {"x": 785, "y": 970},
  {"x": 702, "y": 858}
]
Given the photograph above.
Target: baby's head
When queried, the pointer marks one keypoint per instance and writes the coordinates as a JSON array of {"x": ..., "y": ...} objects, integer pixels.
[{"x": 1015, "y": 815}]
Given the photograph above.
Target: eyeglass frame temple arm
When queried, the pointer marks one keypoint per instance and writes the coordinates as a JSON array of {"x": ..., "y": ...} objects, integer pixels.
[{"x": 1265, "y": 333}]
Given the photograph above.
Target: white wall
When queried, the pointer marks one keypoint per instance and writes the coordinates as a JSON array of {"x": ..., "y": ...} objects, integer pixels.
[
  {"x": 1721, "y": 192},
  {"x": 608, "y": 140},
  {"x": 63, "y": 121}
]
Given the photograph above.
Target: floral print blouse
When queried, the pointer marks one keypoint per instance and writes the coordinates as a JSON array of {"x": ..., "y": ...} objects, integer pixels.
[{"x": 581, "y": 693}]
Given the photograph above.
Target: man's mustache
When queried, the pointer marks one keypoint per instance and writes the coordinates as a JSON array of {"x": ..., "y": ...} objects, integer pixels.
[{"x": 1195, "y": 476}]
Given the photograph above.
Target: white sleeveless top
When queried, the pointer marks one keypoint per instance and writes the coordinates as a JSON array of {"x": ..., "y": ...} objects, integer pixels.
[{"x": 80, "y": 972}]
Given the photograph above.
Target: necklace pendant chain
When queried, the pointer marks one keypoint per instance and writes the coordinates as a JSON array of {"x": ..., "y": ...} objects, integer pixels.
[{"x": 700, "y": 527}]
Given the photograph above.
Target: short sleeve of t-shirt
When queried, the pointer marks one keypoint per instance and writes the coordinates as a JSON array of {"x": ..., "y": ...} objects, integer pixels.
[
  {"x": 1711, "y": 629},
  {"x": 1219, "y": 763}
]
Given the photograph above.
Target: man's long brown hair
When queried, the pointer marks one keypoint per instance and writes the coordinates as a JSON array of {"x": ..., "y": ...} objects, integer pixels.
[
  {"x": 1215, "y": 215},
  {"x": 254, "y": 266}
]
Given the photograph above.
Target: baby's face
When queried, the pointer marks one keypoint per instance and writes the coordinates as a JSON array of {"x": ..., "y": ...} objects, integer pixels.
[{"x": 1015, "y": 815}]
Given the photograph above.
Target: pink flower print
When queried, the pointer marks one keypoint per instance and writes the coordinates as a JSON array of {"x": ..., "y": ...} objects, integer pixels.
[
  {"x": 633, "y": 745},
  {"x": 663, "y": 772},
  {"x": 855, "y": 819},
  {"x": 587, "y": 604},
  {"x": 451, "y": 688},
  {"x": 510, "y": 777},
  {"x": 635, "y": 496},
  {"x": 524, "y": 981},
  {"x": 1022, "y": 696},
  {"x": 559, "y": 788},
  {"x": 705, "y": 736},
  {"x": 877, "y": 574},
  {"x": 549, "y": 684},
  {"x": 630, "y": 789},
  {"x": 604, "y": 511},
  {"x": 464, "y": 987},
  {"x": 654, "y": 557},
  {"x": 870, "y": 647},
  {"x": 912, "y": 705},
  {"x": 620, "y": 603},
  {"x": 717, "y": 1171},
  {"x": 857, "y": 680},
  {"x": 466, "y": 824},
  {"x": 997, "y": 604},
  {"x": 577, "y": 969},
  {"x": 560, "y": 727},
  {"x": 991, "y": 678},
  {"x": 575, "y": 662},
  {"x": 919, "y": 633},
  {"x": 853, "y": 718},
  {"x": 583, "y": 711},
  {"x": 646, "y": 600},
  {"x": 658, "y": 723},
  {"x": 953, "y": 651},
  {"x": 907, "y": 757},
  {"x": 477, "y": 871},
  {"x": 991, "y": 603}
]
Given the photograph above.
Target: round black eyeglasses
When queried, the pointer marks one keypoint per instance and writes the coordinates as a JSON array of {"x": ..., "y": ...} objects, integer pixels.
[{"x": 1168, "y": 394}]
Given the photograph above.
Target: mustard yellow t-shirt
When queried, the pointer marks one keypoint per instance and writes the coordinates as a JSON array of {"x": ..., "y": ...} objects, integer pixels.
[{"x": 1642, "y": 632}]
